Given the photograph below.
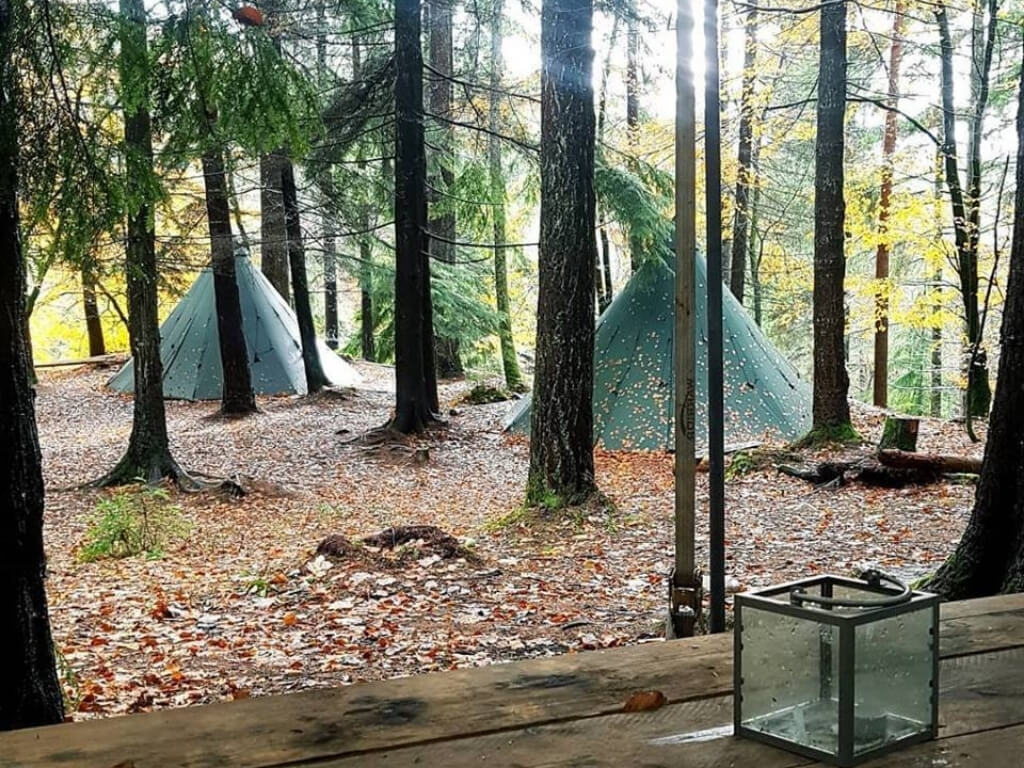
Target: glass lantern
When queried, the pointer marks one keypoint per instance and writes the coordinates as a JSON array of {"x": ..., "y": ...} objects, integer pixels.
[{"x": 837, "y": 669}]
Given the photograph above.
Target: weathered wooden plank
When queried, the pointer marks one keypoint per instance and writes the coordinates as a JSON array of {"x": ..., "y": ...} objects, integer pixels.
[
  {"x": 978, "y": 693},
  {"x": 337, "y": 722}
]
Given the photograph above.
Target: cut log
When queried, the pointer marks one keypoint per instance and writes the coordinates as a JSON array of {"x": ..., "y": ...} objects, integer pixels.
[
  {"x": 899, "y": 433},
  {"x": 930, "y": 462}
]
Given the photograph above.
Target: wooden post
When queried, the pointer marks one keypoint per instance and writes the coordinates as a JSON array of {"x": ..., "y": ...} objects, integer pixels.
[
  {"x": 716, "y": 416},
  {"x": 684, "y": 590}
]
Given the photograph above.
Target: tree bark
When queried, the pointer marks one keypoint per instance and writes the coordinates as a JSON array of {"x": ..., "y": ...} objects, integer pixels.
[
  {"x": 273, "y": 237},
  {"x": 831, "y": 410},
  {"x": 881, "y": 372},
  {"x": 966, "y": 208},
  {"x": 415, "y": 404},
  {"x": 632, "y": 126},
  {"x": 744, "y": 168},
  {"x": 93, "y": 325},
  {"x": 509, "y": 359},
  {"x": 442, "y": 215},
  {"x": 990, "y": 556},
  {"x": 365, "y": 249},
  {"x": 148, "y": 456},
  {"x": 30, "y": 694},
  {"x": 315, "y": 378},
  {"x": 327, "y": 210},
  {"x": 561, "y": 443},
  {"x": 755, "y": 241},
  {"x": 237, "y": 394}
]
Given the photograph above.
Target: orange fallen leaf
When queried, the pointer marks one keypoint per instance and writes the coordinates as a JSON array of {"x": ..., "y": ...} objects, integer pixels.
[
  {"x": 645, "y": 701},
  {"x": 290, "y": 620}
]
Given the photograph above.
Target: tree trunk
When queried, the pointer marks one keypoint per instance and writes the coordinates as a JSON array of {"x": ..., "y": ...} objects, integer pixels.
[
  {"x": 31, "y": 693},
  {"x": 365, "y": 249},
  {"x": 327, "y": 217},
  {"x": 990, "y": 556},
  {"x": 831, "y": 410},
  {"x": 936, "y": 377},
  {"x": 632, "y": 127},
  {"x": 237, "y": 394},
  {"x": 966, "y": 209},
  {"x": 744, "y": 169},
  {"x": 881, "y": 373},
  {"x": 93, "y": 326},
  {"x": 414, "y": 402},
  {"x": 273, "y": 238},
  {"x": 561, "y": 430},
  {"x": 442, "y": 214},
  {"x": 603, "y": 270},
  {"x": 148, "y": 456},
  {"x": 755, "y": 241},
  {"x": 509, "y": 359},
  {"x": 315, "y": 378}
]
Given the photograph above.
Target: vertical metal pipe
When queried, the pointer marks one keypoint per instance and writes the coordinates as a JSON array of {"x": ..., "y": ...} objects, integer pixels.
[
  {"x": 713, "y": 187},
  {"x": 685, "y": 587}
]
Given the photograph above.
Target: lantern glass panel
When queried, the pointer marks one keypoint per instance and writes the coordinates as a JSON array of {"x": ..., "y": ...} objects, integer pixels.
[
  {"x": 892, "y": 680},
  {"x": 793, "y": 691}
]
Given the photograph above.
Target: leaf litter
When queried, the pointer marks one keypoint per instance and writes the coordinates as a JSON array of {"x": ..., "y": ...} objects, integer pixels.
[{"x": 246, "y": 606}]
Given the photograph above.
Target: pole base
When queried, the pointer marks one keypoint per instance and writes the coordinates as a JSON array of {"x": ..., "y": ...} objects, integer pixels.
[{"x": 684, "y": 605}]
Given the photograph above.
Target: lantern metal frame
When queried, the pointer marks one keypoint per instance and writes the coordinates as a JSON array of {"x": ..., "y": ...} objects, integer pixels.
[{"x": 775, "y": 599}]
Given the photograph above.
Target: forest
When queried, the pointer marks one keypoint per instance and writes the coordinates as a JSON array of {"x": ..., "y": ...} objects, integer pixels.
[{"x": 342, "y": 339}]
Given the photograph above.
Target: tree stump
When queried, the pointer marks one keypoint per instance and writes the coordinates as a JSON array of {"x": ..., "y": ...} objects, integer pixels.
[{"x": 899, "y": 433}]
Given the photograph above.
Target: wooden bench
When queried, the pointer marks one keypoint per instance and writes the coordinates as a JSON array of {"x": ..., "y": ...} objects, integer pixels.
[{"x": 562, "y": 711}]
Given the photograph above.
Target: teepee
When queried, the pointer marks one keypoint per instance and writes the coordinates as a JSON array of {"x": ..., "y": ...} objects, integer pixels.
[
  {"x": 633, "y": 375},
  {"x": 190, "y": 353}
]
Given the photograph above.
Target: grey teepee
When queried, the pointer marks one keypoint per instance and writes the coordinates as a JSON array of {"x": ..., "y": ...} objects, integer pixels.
[
  {"x": 633, "y": 373},
  {"x": 191, "y": 356}
]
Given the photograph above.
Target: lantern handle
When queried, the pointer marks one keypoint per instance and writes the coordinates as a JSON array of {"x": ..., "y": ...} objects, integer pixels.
[{"x": 874, "y": 578}]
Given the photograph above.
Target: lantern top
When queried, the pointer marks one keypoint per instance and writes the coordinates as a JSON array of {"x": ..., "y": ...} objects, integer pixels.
[{"x": 839, "y": 600}]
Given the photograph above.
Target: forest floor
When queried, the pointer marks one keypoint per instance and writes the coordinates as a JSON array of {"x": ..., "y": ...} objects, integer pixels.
[{"x": 242, "y": 606}]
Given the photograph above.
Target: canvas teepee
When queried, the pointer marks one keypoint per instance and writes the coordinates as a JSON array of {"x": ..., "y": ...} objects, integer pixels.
[
  {"x": 633, "y": 373},
  {"x": 191, "y": 356}
]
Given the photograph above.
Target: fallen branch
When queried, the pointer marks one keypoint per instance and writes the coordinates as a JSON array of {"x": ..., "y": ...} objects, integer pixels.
[{"x": 930, "y": 462}]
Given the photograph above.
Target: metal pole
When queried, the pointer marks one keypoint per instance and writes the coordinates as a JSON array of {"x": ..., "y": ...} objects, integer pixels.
[
  {"x": 684, "y": 589},
  {"x": 716, "y": 438}
]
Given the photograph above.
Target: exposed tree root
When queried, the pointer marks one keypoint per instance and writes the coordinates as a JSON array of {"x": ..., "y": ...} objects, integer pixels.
[{"x": 163, "y": 466}]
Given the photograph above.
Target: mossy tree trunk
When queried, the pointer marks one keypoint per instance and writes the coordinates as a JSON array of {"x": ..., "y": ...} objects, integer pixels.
[
  {"x": 561, "y": 429},
  {"x": 30, "y": 694},
  {"x": 509, "y": 359},
  {"x": 148, "y": 456},
  {"x": 744, "y": 165},
  {"x": 831, "y": 410},
  {"x": 990, "y": 556}
]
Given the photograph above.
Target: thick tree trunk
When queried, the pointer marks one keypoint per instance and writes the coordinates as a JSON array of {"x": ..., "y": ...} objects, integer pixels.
[
  {"x": 93, "y": 325},
  {"x": 237, "y": 395},
  {"x": 509, "y": 359},
  {"x": 442, "y": 214},
  {"x": 273, "y": 237},
  {"x": 148, "y": 456},
  {"x": 744, "y": 166},
  {"x": 881, "y": 372},
  {"x": 966, "y": 209},
  {"x": 30, "y": 693},
  {"x": 414, "y": 400},
  {"x": 315, "y": 378},
  {"x": 831, "y": 411},
  {"x": 561, "y": 442},
  {"x": 990, "y": 556}
]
